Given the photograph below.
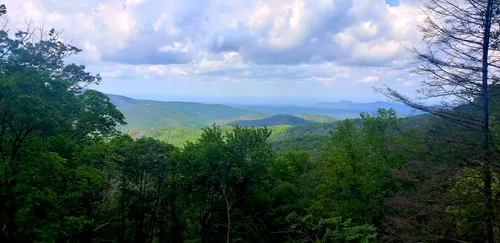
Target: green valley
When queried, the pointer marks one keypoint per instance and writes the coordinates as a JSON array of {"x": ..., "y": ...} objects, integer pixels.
[
  {"x": 317, "y": 117},
  {"x": 179, "y": 136},
  {"x": 181, "y": 122},
  {"x": 162, "y": 114}
]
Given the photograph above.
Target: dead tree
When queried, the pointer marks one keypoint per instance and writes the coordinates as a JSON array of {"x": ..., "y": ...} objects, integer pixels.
[{"x": 459, "y": 64}]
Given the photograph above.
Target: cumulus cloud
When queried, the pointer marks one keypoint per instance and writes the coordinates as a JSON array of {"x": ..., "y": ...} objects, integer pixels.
[
  {"x": 111, "y": 74},
  {"x": 293, "y": 42}
]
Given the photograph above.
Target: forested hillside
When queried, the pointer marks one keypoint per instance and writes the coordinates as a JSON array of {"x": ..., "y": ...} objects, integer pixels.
[
  {"x": 143, "y": 114},
  {"x": 278, "y": 124},
  {"x": 306, "y": 137},
  {"x": 180, "y": 136},
  {"x": 67, "y": 173},
  {"x": 281, "y": 119},
  {"x": 317, "y": 118}
]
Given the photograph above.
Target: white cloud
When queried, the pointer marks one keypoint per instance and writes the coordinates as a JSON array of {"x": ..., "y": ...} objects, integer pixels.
[
  {"x": 149, "y": 71},
  {"x": 157, "y": 70},
  {"x": 134, "y": 2},
  {"x": 112, "y": 74},
  {"x": 174, "y": 47},
  {"x": 55, "y": 17},
  {"x": 376, "y": 51},
  {"x": 120, "y": 22},
  {"x": 165, "y": 23},
  {"x": 33, "y": 11},
  {"x": 177, "y": 71},
  {"x": 225, "y": 61},
  {"x": 91, "y": 51},
  {"x": 336, "y": 44},
  {"x": 369, "y": 79}
]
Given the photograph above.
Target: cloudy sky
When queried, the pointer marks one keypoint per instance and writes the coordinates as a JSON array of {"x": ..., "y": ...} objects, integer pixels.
[{"x": 262, "y": 51}]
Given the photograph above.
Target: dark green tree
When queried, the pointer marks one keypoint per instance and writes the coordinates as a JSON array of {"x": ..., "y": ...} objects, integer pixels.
[{"x": 46, "y": 123}]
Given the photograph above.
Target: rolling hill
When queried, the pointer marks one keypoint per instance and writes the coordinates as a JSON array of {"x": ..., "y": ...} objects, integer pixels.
[
  {"x": 317, "y": 118},
  {"x": 281, "y": 119},
  {"x": 178, "y": 136},
  {"x": 312, "y": 129},
  {"x": 180, "y": 122},
  {"x": 340, "y": 110},
  {"x": 142, "y": 114}
]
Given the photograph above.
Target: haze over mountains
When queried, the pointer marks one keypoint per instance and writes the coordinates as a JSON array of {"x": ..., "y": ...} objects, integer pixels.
[
  {"x": 179, "y": 122},
  {"x": 341, "y": 109},
  {"x": 151, "y": 114},
  {"x": 161, "y": 114}
]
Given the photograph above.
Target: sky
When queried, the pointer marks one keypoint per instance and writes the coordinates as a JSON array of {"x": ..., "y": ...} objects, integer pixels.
[{"x": 237, "y": 51}]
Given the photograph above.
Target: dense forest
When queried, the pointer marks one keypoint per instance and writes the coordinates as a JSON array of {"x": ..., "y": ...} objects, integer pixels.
[
  {"x": 69, "y": 175},
  {"x": 276, "y": 120}
]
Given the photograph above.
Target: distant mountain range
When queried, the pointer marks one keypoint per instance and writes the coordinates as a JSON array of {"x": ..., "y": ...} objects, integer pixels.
[
  {"x": 341, "y": 109},
  {"x": 162, "y": 114},
  {"x": 281, "y": 119},
  {"x": 293, "y": 127},
  {"x": 349, "y": 105},
  {"x": 178, "y": 121}
]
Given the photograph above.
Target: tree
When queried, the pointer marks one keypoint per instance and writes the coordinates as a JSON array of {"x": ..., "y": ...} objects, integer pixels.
[
  {"x": 459, "y": 64},
  {"x": 43, "y": 51},
  {"x": 28, "y": 134},
  {"x": 310, "y": 229},
  {"x": 357, "y": 168},
  {"x": 145, "y": 177},
  {"x": 46, "y": 123},
  {"x": 227, "y": 175}
]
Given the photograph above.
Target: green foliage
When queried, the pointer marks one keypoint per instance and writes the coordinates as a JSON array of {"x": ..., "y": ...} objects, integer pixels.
[
  {"x": 275, "y": 120},
  {"x": 310, "y": 229},
  {"x": 147, "y": 174},
  {"x": 227, "y": 174},
  {"x": 45, "y": 55},
  {"x": 179, "y": 136},
  {"x": 317, "y": 118},
  {"x": 358, "y": 168},
  {"x": 314, "y": 129},
  {"x": 312, "y": 144},
  {"x": 47, "y": 126},
  {"x": 305, "y": 137}
]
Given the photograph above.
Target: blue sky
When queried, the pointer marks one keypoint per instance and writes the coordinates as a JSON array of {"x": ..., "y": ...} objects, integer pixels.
[
  {"x": 247, "y": 51},
  {"x": 392, "y": 2}
]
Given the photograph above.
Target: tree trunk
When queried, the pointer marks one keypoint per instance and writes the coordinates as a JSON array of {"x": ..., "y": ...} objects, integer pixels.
[
  {"x": 174, "y": 224},
  {"x": 228, "y": 211},
  {"x": 11, "y": 221},
  {"x": 205, "y": 227},
  {"x": 489, "y": 206},
  {"x": 228, "y": 240},
  {"x": 486, "y": 128},
  {"x": 122, "y": 232}
]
